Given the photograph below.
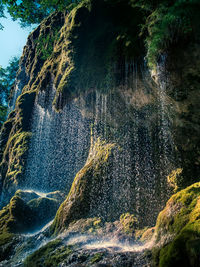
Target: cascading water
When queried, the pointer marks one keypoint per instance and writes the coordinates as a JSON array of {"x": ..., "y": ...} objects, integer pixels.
[
  {"x": 20, "y": 81},
  {"x": 143, "y": 158},
  {"x": 136, "y": 180},
  {"x": 16, "y": 94},
  {"x": 168, "y": 155},
  {"x": 59, "y": 145}
]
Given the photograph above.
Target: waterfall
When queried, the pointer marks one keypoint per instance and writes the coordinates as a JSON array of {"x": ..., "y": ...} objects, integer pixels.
[
  {"x": 21, "y": 80},
  {"x": 136, "y": 181},
  {"x": 167, "y": 154},
  {"x": 59, "y": 145},
  {"x": 16, "y": 93}
]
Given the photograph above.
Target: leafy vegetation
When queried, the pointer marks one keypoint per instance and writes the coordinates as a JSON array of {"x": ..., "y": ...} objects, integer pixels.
[
  {"x": 45, "y": 44},
  {"x": 168, "y": 23},
  {"x": 164, "y": 23},
  {"x": 7, "y": 78},
  {"x": 34, "y": 11},
  {"x": 1, "y": 14}
]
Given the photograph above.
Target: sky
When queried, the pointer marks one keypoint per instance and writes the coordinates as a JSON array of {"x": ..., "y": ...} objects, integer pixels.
[{"x": 12, "y": 39}]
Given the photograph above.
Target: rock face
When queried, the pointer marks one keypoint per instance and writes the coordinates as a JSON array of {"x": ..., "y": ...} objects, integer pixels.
[
  {"x": 15, "y": 136},
  {"x": 86, "y": 197},
  {"x": 177, "y": 229},
  {"x": 117, "y": 138},
  {"x": 26, "y": 212},
  {"x": 81, "y": 83},
  {"x": 180, "y": 73}
]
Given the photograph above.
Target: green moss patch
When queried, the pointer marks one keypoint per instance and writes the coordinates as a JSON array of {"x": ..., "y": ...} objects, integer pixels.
[
  {"x": 129, "y": 223},
  {"x": 78, "y": 201},
  {"x": 26, "y": 212},
  {"x": 16, "y": 142},
  {"x": 45, "y": 256},
  {"x": 96, "y": 258},
  {"x": 180, "y": 220}
]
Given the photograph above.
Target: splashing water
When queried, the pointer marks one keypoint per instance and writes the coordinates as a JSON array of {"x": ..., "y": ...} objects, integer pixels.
[
  {"x": 40, "y": 231},
  {"x": 114, "y": 245},
  {"x": 41, "y": 194}
]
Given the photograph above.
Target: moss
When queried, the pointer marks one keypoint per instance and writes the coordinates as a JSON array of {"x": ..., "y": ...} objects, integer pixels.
[
  {"x": 183, "y": 251},
  {"x": 180, "y": 220},
  {"x": 45, "y": 44},
  {"x": 58, "y": 195},
  {"x": 27, "y": 211},
  {"x": 78, "y": 201},
  {"x": 148, "y": 234},
  {"x": 7, "y": 245},
  {"x": 26, "y": 195},
  {"x": 60, "y": 255},
  {"x": 47, "y": 256},
  {"x": 16, "y": 144},
  {"x": 50, "y": 255},
  {"x": 95, "y": 34},
  {"x": 174, "y": 178},
  {"x": 96, "y": 258},
  {"x": 160, "y": 35},
  {"x": 44, "y": 209},
  {"x": 96, "y": 46},
  {"x": 5, "y": 130},
  {"x": 15, "y": 218},
  {"x": 3, "y": 114},
  {"x": 129, "y": 223},
  {"x": 20, "y": 216},
  {"x": 97, "y": 222},
  {"x": 139, "y": 232},
  {"x": 89, "y": 225},
  {"x": 6, "y": 238}
]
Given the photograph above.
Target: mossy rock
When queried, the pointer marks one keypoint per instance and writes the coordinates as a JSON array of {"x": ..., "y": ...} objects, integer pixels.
[
  {"x": 16, "y": 217},
  {"x": 100, "y": 33},
  {"x": 81, "y": 49},
  {"x": 46, "y": 256},
  {"x": 58, "y": 195},
  {"x": 5, "y": 131},
  {"x": 85, "y": 226},
  {"x": 178, "y": 229},
  {"x": 7, "y": 245},
  {"x": 45, "y": 208},
  {"x": 96, "y": 258},
  {"x": 129, "y": 223},
  {"x": 78, "y": 202},
  {"x": 27, "y": 195},
  {"x": 148, "y": 234},
  {"x": 15, "y": 137},
  {"x": 50, "y": 255},
  {"x": 27, "y": 211}
]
